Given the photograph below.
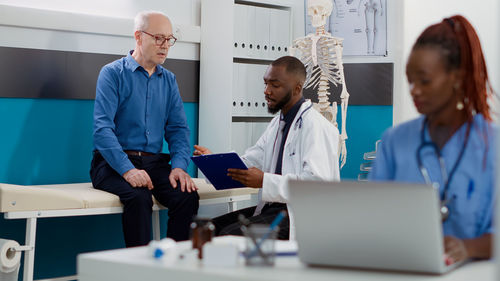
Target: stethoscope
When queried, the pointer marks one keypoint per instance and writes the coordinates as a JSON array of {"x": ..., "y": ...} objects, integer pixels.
[
  {"x": 298, "y": 124},
  {"x": 299, "y": 120},
  {"x": 444, "y": 209}
]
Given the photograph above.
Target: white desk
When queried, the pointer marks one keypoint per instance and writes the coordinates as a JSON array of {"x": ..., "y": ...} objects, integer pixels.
[{"x": 134, "y": 264}]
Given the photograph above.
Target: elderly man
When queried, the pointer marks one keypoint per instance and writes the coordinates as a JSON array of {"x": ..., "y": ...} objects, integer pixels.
[{"x": 137, "y": 105}]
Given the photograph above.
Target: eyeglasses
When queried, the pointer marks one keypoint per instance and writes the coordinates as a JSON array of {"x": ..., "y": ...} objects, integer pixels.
[{"x": 160, "y": 40}]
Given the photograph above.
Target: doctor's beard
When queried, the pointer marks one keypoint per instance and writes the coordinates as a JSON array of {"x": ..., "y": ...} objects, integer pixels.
[{"x": 280, "y": 104}]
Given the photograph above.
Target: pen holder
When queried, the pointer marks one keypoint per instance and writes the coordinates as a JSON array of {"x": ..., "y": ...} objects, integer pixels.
[{"x": 260, "y": 248}]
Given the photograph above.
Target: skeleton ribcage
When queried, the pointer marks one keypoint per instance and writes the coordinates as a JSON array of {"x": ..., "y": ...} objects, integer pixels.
[{"x": 327, "y": 61}]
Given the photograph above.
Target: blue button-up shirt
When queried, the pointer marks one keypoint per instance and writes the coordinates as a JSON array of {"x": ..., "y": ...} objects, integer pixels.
[
  {"x": 135, "y": 111},
  {"x": 471, "y": 190}
]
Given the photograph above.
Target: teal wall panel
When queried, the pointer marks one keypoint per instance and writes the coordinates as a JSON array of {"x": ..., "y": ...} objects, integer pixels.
[
  {"x": 45, "y": 141},
  {"x": 365, "y": 125}
]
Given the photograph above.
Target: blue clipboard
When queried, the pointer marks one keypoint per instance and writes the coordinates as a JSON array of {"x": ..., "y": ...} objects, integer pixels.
[{"x": 214, "y": 167}]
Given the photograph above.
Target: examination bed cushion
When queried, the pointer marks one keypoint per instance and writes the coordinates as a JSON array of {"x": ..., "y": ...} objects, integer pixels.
[{"x": 14, "y": 198}]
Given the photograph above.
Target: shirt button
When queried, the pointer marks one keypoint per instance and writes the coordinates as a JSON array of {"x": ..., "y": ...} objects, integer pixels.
[{"x": 147, "y": 132}]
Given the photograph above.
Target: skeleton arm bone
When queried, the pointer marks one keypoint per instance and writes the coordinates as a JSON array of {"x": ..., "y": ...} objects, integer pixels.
[{"x": 344, "y": 96}]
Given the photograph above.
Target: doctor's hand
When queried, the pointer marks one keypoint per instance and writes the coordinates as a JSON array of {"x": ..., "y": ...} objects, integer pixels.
[
  {"x": 201, "y": 150},
  {"x": 138, "y": 178},
  {"x": 187, "y": 184},
  {"x": 454, "y": 250},
  {"x": 252, "y": 177}
]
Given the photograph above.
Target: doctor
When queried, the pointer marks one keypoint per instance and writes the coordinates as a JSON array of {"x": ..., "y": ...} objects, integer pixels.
[{"x": 299, "y": 143}]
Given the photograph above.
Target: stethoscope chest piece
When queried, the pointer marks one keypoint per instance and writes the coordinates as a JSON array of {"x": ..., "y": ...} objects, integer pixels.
[{"x": 445, "y": 212}]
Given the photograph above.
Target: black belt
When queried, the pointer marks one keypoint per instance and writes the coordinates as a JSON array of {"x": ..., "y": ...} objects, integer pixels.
[
  {"x": 138, "y": 153},
  {"x": 131, "y": 153}
]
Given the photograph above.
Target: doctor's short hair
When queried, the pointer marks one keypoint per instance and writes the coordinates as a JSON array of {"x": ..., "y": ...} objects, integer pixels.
[
  {"x": 141, "y": 20},
  {"x": 292, "y": 65}
]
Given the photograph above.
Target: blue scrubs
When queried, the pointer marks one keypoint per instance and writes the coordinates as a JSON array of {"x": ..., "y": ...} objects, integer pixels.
[{"x": 471, "y": 189}]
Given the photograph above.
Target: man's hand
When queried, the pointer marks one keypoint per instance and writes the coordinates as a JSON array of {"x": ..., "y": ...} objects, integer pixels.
[
  {"x": 201, "y": 150},
  {"x": 184, "y": 179},
  {"x": 252, "y": 177},
  {"x": 138, "y": 178},
  {"x": 454, "y": 249}
]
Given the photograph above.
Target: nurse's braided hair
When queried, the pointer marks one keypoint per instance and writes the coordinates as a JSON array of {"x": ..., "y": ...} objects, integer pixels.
[{"x": 462, "y": 51}]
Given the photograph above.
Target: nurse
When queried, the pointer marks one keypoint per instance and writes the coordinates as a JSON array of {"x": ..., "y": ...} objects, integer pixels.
[{"x": 452, "y": 144}]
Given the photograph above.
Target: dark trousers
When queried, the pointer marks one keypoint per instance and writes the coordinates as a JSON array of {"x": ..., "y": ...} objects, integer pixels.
[
  {"x": 228, "y": 224},
  {"x": 138, "y": 203}
]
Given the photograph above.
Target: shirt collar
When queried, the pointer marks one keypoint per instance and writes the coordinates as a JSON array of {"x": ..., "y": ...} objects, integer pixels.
[
  {"x": 290, "y": 115},
  {"x": 133, "y": 65}
]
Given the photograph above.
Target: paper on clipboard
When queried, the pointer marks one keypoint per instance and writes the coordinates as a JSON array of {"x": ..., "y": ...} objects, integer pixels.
[{"x": 214, "y": 167}]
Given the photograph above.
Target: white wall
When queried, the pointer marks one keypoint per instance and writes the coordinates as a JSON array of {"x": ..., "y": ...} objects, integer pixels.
[
  {"x": 180, "y": 12},
  {"x": 94, "y": 26},
  {"x": 418, "y": 14}
]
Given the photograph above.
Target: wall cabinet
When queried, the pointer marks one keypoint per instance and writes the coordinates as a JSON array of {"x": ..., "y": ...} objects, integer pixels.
[{"x": 239, "y": 39}]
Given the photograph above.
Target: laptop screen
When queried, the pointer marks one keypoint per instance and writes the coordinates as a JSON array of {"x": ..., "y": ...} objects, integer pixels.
[{"x": 366, "y": 224}]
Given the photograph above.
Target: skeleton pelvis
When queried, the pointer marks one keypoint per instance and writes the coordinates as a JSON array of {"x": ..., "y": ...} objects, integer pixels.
[{"x": 328, "y": 111}]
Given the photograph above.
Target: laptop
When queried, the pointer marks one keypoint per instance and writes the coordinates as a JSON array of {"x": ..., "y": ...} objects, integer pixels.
[{"x": 384, "y": 226}]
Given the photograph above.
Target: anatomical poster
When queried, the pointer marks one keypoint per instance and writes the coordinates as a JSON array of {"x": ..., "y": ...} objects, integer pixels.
[{"x": 361, "y": 23}]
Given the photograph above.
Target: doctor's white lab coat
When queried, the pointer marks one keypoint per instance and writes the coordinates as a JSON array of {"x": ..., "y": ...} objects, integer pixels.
[{"x": 310, "y": 152}]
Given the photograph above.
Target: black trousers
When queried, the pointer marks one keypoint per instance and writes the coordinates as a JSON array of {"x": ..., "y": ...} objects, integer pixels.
[
  {"x": 138, "y": 203},
  {"x": 228, "y": 224}
]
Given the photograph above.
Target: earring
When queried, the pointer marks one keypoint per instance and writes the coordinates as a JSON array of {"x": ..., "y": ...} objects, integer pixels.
[{"x": 460, "y": 104}]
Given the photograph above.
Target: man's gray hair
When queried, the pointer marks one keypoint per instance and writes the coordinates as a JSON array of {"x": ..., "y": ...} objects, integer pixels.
[{"x": 141, "y": 20}]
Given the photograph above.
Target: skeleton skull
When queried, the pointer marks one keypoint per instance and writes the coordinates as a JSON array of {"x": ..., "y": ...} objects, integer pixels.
[{"x": 319, "y": 10}]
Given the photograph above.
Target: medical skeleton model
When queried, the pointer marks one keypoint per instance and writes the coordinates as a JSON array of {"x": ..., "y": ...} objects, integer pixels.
[{"x": 321, "y": 54}]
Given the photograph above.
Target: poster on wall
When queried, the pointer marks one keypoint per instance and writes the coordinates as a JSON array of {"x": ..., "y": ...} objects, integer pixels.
[{"x": 362, "y": 24}]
